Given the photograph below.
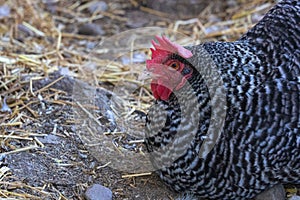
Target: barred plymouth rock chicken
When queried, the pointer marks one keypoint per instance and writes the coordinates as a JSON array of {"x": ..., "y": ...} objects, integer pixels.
[{"x": 226, "y": 121}]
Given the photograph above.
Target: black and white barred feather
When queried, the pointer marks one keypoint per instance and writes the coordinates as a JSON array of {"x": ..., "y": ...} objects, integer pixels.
[{"x": 259, "y": 144}]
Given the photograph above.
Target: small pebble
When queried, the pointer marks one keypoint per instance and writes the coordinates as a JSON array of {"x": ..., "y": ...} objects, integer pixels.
[
  {"x": 137, "y": 58},
  {"x": 2, "y": 157},
  {"x": 5, "y": 107},
  {"x": 82, "y": 155},
  {"x": 98, "y": 6},
  {"x": 91, "y": 29},
  {"x": 295, "y": 198},
  {"x": 98, "y": 192},
  {"x": 4, "y": 11},
  {"x": 137, "y": 19},
  {"x": 277, "y": 192},
  {"x": 50, "y": 139}
]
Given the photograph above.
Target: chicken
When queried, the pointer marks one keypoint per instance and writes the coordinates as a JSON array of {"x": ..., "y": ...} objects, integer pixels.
[{"x": 226, "y": 120}]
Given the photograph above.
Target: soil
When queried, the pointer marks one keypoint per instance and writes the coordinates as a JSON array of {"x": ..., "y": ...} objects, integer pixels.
[{"x": 64, "y": 167}]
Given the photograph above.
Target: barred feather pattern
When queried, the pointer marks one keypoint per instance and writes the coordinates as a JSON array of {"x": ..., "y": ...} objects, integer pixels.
[{"x": 259, "y": 145}]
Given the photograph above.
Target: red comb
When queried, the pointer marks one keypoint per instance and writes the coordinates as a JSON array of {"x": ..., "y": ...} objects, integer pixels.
[{"x": 165, "y": 44}]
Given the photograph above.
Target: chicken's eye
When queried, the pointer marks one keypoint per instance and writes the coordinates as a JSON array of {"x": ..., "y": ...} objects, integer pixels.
[{"x": 175, "y": 65}]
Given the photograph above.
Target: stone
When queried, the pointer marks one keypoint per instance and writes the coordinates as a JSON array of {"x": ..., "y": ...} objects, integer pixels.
[
  {"x": 295, "y": 198},
  {"x": 277, "y": 192},
  {"x": 98, "y": 192}
]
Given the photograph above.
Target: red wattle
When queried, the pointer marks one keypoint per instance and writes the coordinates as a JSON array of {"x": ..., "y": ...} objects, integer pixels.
[{"x": 160, "y": 91}]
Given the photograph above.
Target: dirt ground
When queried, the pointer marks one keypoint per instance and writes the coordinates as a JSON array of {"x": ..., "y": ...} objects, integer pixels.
[
  {"x": 63, "y": 167},
  {"x": 45, "y": 151}
]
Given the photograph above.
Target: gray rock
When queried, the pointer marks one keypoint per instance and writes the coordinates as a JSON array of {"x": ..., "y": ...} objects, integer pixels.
[
  {"x": 4, "y": 11},
  {"x": 98, "y": 192},
  {"x": 275, "y": 193},
  {"x": 137, "y": 19},
  {"x": 98, "y": 6},
  {"x": 5, "y": 107},
  {"x": 50, "y": 139},
  {"x": 91, "y": 29},
  {"x": 295, "y": 198}
]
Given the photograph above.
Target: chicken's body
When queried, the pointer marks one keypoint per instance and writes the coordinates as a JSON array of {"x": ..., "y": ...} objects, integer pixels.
[{"x": 259, "y": 144}]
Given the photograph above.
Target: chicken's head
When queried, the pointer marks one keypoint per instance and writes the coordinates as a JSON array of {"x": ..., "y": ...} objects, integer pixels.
[{"x": 169, "y": 67}]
